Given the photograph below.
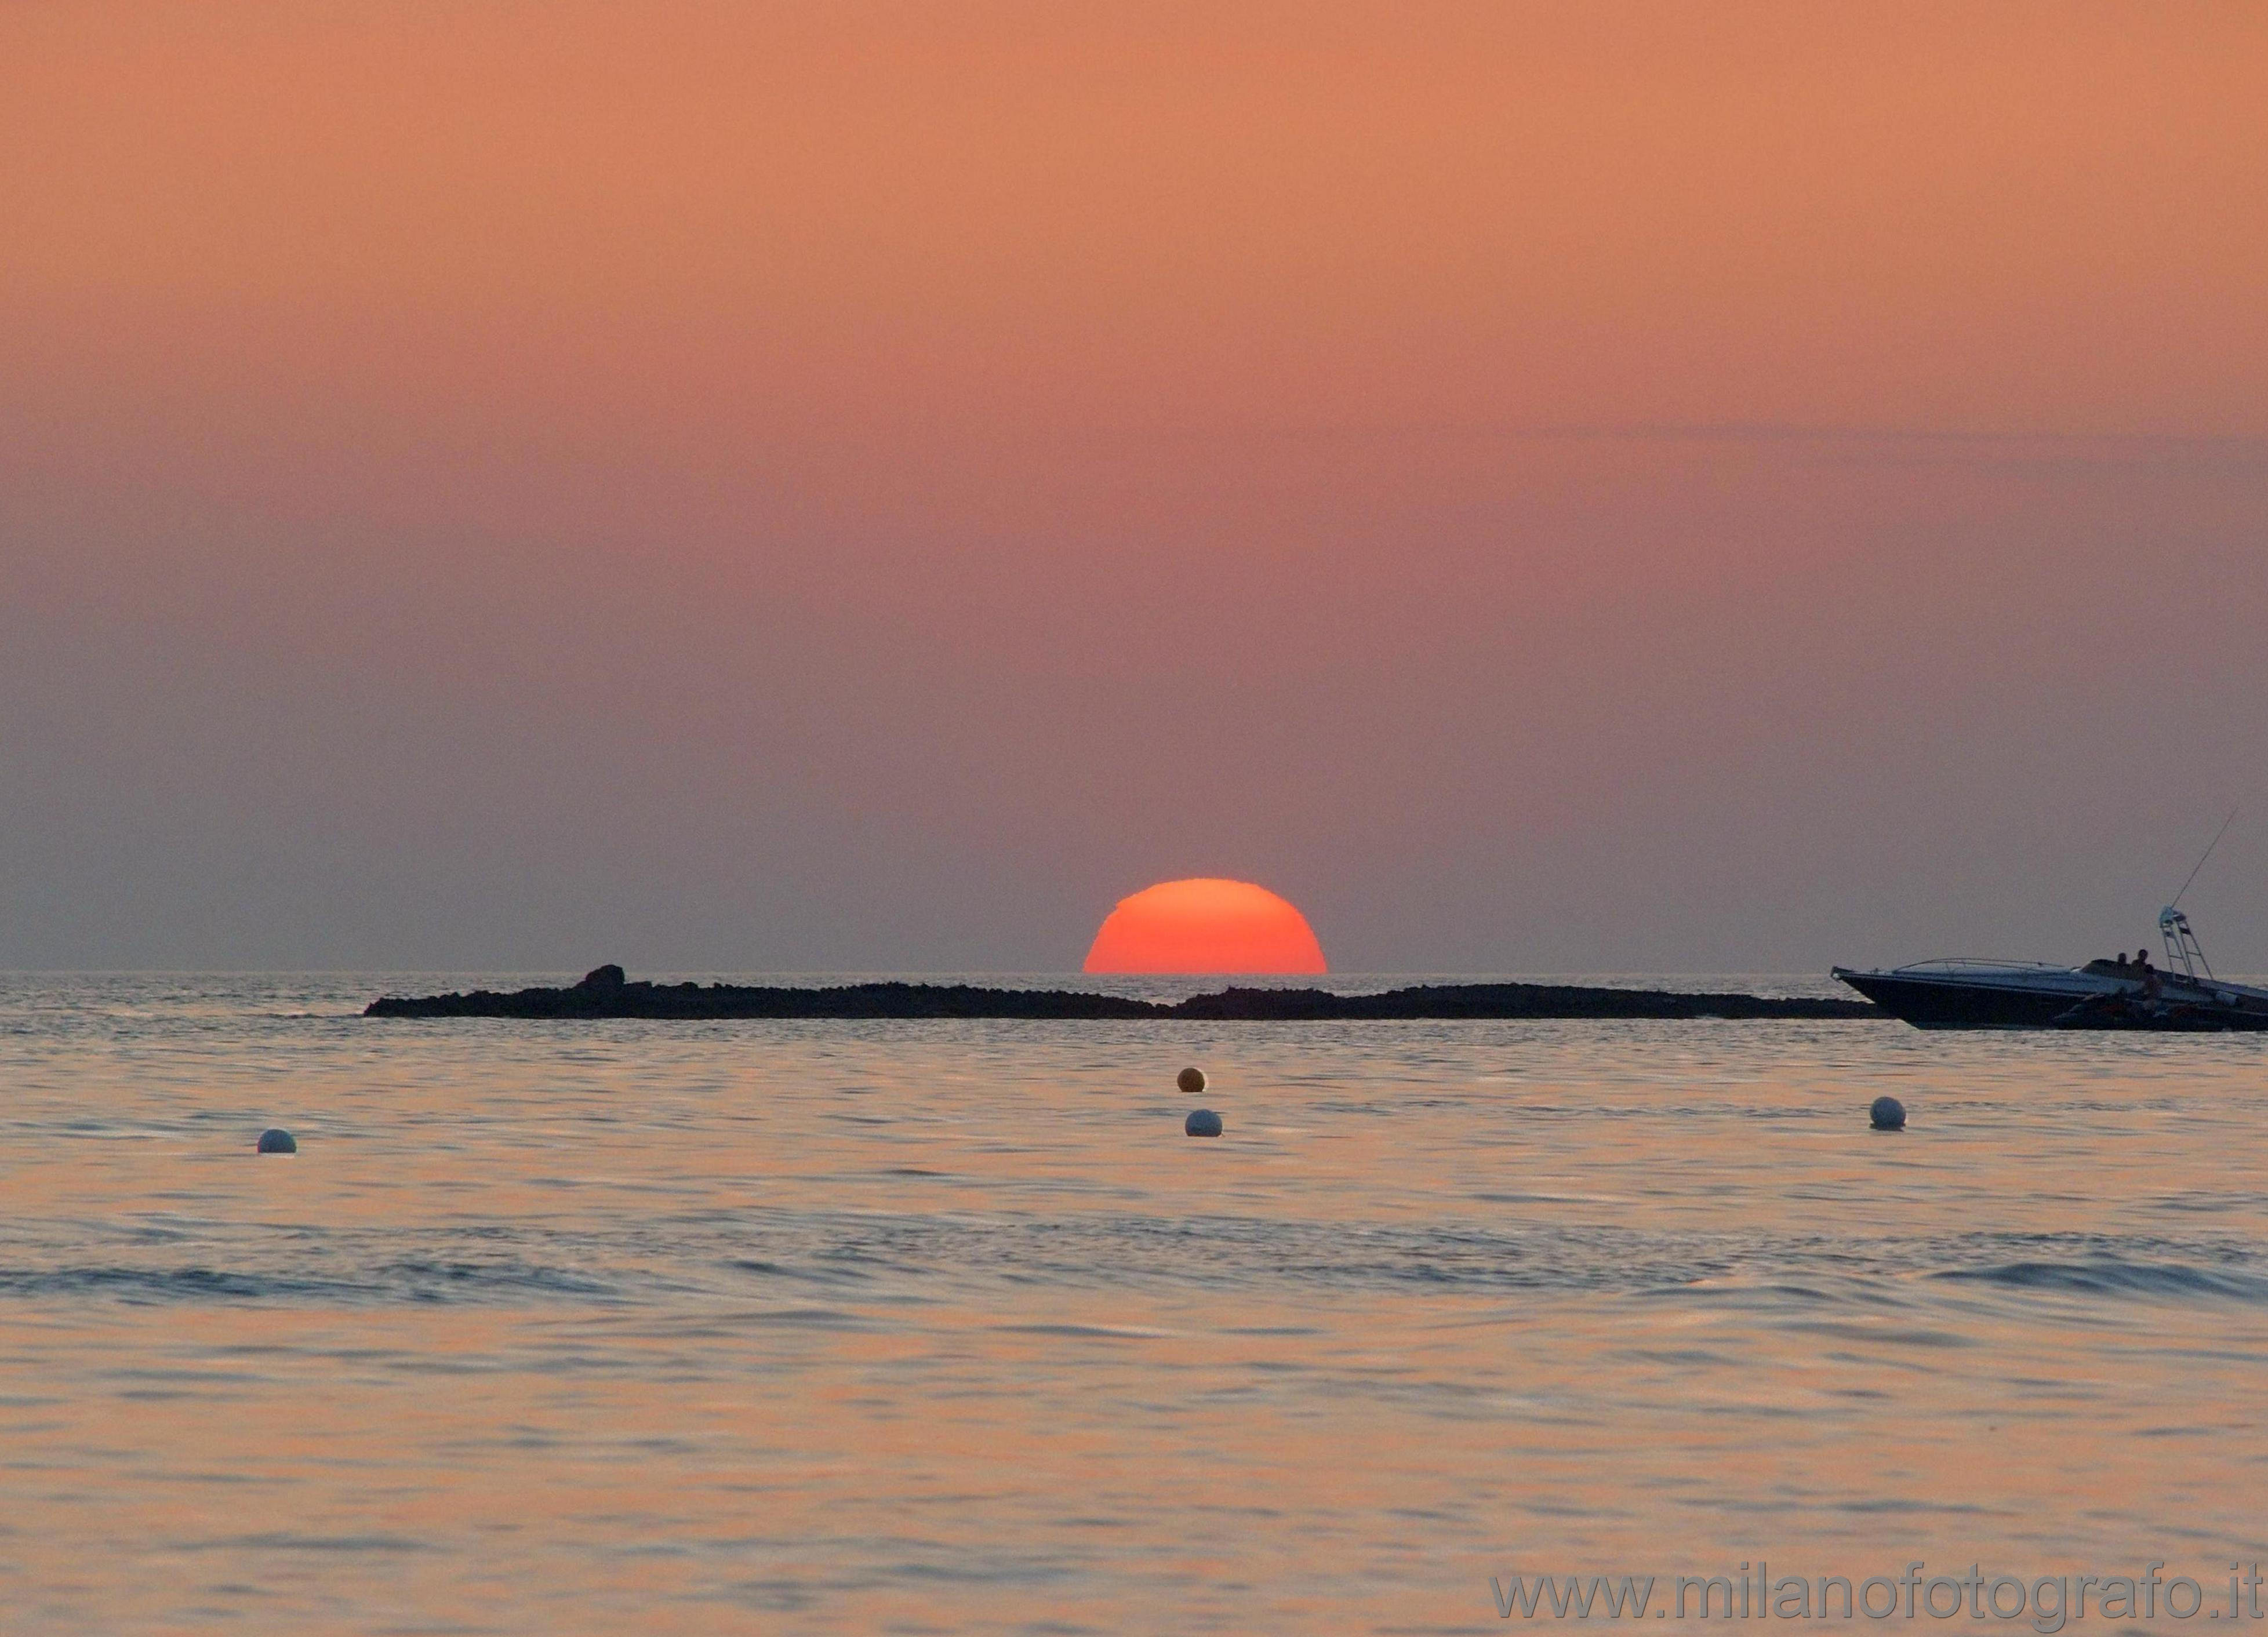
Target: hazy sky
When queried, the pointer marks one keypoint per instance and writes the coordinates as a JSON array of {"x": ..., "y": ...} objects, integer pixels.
[{"x": 830, "y": 485}]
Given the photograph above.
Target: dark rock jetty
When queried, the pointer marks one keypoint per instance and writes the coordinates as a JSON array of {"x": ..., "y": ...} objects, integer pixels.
[{"x": 609, "y": 993}]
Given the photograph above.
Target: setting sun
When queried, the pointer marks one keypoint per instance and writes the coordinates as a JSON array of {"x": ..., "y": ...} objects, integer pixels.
[{"x": 1208, "y": 926}]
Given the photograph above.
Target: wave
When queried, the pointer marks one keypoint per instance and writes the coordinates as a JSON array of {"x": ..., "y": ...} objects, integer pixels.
[
  {"x": 861, "y": 1259},
  {"x": 2112, "y": 1276},
  {"x": 403, "y": 1282}
]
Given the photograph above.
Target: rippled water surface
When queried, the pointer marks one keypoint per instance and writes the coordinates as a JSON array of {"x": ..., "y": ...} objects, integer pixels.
[{"x": 945, "y": 1326}]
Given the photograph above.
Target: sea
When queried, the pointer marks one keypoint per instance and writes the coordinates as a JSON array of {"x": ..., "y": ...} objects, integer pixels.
[{"x": 946, "y": 1327}]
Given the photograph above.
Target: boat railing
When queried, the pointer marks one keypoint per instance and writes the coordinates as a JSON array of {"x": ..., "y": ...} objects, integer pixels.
[{"x": 1967, "y": 963}]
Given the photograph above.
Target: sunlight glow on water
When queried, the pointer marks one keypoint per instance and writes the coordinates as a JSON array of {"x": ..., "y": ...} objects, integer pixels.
[{"x": 674, "y": 1327}]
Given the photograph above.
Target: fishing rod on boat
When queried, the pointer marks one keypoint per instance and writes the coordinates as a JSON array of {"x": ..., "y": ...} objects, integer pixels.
[{"x": 2217, "y": 835}]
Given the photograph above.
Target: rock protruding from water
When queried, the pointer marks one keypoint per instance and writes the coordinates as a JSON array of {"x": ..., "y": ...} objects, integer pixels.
[{"x": 610, "y": 993}]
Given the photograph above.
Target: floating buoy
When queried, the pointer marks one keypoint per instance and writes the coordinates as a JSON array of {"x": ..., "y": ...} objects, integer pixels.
[
  {"x": 276, "y": 1140},
  {"x": 1202, "y": 1122},
  {"x": 1191, "y": 1080},
  {"x": 1887, "y": 1114}
]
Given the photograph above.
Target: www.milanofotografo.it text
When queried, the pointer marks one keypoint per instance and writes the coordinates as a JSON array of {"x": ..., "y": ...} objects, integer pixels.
[{"x": 2046, "y": 1603}]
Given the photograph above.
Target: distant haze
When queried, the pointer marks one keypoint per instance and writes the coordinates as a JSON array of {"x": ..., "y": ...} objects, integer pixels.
[{"x": 1543, "y": 487}]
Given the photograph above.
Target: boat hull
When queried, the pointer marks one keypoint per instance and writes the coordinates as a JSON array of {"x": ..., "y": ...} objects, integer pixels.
[
  {"x": 1983, "y": 1000},
  {"x": 1960, "y": 1004}
]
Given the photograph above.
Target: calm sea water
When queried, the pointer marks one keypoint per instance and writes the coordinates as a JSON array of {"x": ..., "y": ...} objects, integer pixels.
[{"x": 945, "y": 1326}]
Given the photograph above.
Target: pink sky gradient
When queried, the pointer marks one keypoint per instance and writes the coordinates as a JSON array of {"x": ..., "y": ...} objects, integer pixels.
[{"x": 868, "y": 486}]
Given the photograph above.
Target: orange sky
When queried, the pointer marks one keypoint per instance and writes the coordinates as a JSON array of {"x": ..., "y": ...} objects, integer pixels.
[
  {"x": 993, "y": 413},
  {"x": 2035, "y": 217}
]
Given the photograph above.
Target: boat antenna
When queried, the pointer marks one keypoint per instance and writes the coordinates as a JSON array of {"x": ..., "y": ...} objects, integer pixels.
[{"x": 2217, "y": 835}]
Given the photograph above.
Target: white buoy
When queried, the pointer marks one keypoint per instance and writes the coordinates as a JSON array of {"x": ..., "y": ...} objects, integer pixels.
[
  {"x": 276, "y": 1140},
  {"x": 1202, "y": 1122},
  {"x": 1887, "y": 1114}
]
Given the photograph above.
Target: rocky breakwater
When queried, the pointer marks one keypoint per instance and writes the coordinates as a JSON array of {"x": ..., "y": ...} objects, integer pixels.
[{"x": 609, "y": 992}]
